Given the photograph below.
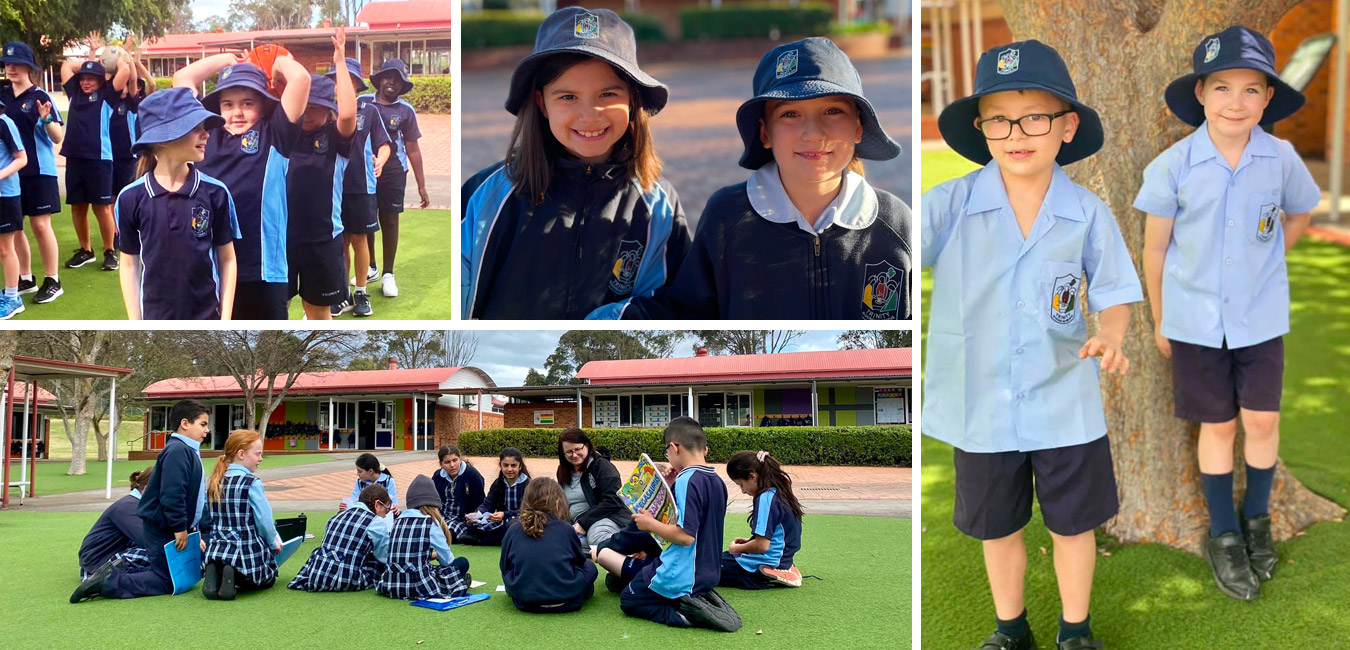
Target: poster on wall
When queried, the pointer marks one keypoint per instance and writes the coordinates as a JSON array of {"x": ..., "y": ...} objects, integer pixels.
[
  {"x": 543, "y": 417},
  {"x": 891, "y": 406}
]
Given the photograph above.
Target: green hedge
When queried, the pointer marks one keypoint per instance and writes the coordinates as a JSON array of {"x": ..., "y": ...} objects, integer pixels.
[
  {"x": 756, "y": 20},
  {"x": 494, "y": 28},
  {"x": 871, "y": 445}
]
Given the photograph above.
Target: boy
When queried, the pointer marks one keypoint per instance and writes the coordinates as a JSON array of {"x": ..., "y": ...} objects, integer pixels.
[
  {"x": 1009, "y": 383},
  {"x": 1218, "y": 288},
  {"x": 88, "y": 150},
  {"x": 172, "y": 505}
]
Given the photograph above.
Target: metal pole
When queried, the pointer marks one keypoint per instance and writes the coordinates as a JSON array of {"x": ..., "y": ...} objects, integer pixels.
[
  {"x": 24, "y": 492},
  {"x": 431, "y": 424},
  {"x": 964, "y": 11},
  {"x": 1338, "y": 105},
  {"x": 9, "y": 420},
  {"x": 480, "y": 409},
  {"x": 112, "y": 435},
  {"x": 32, "y": 459},
  {"x": 815, "y": 406},
  {"x": 691, "y": 403},
  {"x": 332, "y": 415},
  {"x": 578, "y": 406},
  {"x": 417, "y": 433}
]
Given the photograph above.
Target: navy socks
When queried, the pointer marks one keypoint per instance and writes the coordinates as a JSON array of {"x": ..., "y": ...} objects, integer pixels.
[
  {"x": 1219, "y": 498},
  {"x": 1015, "y": 628},
  {"x": 1257, "y": 500},
  {"x": 1074, "y": 630}
]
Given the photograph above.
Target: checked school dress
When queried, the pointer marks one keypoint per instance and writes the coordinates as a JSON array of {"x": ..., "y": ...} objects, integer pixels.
[
  {"x": 459, "y": 496},
  {"x": 410, "y": 575},
  {"x": 345, "y": 561},
  {"x": 509, "y": 496},
  {"x": 235, "y": 539}
]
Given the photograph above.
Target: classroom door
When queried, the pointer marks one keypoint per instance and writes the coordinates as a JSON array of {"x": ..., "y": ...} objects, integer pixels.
[
  {"x": 365, "y": 425},
  {"x": 220, "y": 425},
  {"x": 384, "y": 425}
]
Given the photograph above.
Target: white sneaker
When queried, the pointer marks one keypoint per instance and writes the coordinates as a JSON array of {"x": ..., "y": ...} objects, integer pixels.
[{"x": 387, "y": 286}]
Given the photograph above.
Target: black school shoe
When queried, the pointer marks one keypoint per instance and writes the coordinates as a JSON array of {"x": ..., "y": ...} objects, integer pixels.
[
  {"x": 1080, "y": 643},
  {"x": 211, "y": 581},
  {"x": 80, "y": 258},
  {"x": 27, "y": 286},
  {"x": 1001, "y": 641},
  {"x": 709, "y": 610},
  {"x": 109, "y": 260},
  {"x": 1261, "y": 547},
  {"x": 93, "y": 585},
  {"x": 227, "y": 588},
  {"x": 1227, "y": 557},
  {"x": 615, "y": 583}
]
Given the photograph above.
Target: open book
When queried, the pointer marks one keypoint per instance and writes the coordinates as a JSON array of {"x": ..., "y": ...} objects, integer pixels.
[{"x": 645, "y": 490}]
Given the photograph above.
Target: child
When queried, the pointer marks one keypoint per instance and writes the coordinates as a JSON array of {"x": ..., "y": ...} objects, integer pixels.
[
  {"x": 122, "y": 127},
  {"x": 764, "y": 560},
  {"x": 355, "y": 547},
  {"x": 41, "y": 129},
  {"x": 118, "y": 532},
  {"x": 172, "y": 505},
  {"x": 543, "y": 565},
  {"x": 400, "y": 122},
  {"x": 251, "y": 153},
  {"x": 1214, "y": 260},
  {"x": 1011, "y": 245},
  {"x": 370, "y": 471},
  {"x": 177, "y": 224},
  {"x": 418, "y": 532},
  {"x": 360, "y": 220},
  {"x": 806, "y": 236},
  {"x": 88, "y": 152},
  {"x": 581, "y": 174},
  {"x": 241, "y": 555},
  {"x": 460, "y": 487},
  {"x": 314, "y": 188},
  {"x": 12, "y": 159},
  {"x": 488, "y": 523}
]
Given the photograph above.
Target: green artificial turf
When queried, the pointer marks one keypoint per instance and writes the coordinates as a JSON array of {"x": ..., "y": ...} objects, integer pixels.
[
  {"x": 423, "y": 273},
  {"x": 52, "y": 477},
  {"x": 862, "y": 601}
]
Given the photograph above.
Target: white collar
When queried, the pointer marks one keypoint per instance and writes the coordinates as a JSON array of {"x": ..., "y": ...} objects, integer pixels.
[{"x": 854, "y": 208}]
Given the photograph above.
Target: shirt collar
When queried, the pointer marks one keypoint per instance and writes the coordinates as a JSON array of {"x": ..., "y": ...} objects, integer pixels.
[
  {"x": 520, "y": 478},
  {"x": 854, "y": 208},
  {"x": 360, "y": 505},
  {"x": 235, "y": 469},
  {"x": 412, "y": 512},
  {"x": 1203, "y": 149},
  {"x": 190, "y": 184},
  {"x": 136, "y": 493},
  {"x": 987, "y": 193},
  {"x": 196, "y": 446}
]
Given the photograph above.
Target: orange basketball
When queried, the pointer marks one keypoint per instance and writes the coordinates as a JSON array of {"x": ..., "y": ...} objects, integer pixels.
[{"x": 265, "y": 56}]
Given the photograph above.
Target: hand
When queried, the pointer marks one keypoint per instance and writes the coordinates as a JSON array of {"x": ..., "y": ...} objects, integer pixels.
[
  {"x": 1108, "y": 348},
  {"x": 129, "y": 43},
  {"x": 395, "y": 509},
  {"x": 278, "y": 548},
  {"x": 668, "y": 474},
  {"x": 469, "y": 517},
  {"x": 426, "y": 200},
  {"x": 645, "y": 522},
  {"x": 1164, "y": 344},
  {"x": 95, "y": 42},
  {"x": 202, "y": 544},
  {"x": 375, "y": 160},
  {"x": 497, "y": 516},
  {"x": 44, "y": 109},
  {"x": 180, "y": 539},
  {"x": 339, "y": 45},
  {"x": 342, "y": 505},
  {"x": 579, "y": 529},
  {"x": 740, "y": 540}
]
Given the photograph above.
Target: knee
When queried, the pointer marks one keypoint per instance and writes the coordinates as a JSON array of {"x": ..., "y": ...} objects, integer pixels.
[
  {"x": 1261, "y": 425},
  {"x": 1221, "y": 431}
]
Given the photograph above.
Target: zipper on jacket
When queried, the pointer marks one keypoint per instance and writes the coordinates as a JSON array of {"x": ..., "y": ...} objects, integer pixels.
[{"x": 817, "y": 246}]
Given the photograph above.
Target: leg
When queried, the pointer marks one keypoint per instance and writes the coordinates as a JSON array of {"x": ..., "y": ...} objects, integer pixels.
[
  {"x": 1261, "y": 448},
  {"x": 370, "y": 251},
  {"x": 106, "y": 228},
  {"x": 388, "y": 237},
  {"x": 601, "y": 531},
  {"x": 1075, "y": 561},
  {"x": 9, "y": 261},
  {"x": 360, "y": 258},
  {"x": 1005, "y": 563},
  {"x": 639, "y": 601},
  {"x": 1216, "y": 473},
  {"x": 24, "y": 255},
  {"x": 735, "y": 576},
  {"x": 316, "y": 312},
  {"x": 79, "y": 215},
  {"x": 46, "y": 242}
]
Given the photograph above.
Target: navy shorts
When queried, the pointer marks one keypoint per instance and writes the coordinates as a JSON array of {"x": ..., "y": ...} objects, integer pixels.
[
  {"x": 317, "y": 273},
  {"x": 260, "y": 301},
  {"x": 390, "y": 188},
  {"x": 41, "y": 195},
  {"x": 735, "y": 576},
  {"x": 124, "y": 171},
  {"x": 89, "y": 181},
  {"x": 359, "y": 216},
  {"x": 11, "y": 214},
  {"x": 1211, "y": 384},
  {"x": 1075, "y": 485}
]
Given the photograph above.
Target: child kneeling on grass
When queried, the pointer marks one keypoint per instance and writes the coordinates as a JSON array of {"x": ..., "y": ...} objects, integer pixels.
[
  {"x": 355, "y": 547},
  {"x": 544, "y": 567},
  {"x": 419, "y": 532}
]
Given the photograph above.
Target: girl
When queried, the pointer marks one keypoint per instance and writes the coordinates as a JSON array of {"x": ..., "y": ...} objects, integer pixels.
[
  {"x": 419, "y": 531},
  {"x": 806, "y": 236},
  {"x": 250, "y": 153},
  {"x": 488, "y": 524},
  {"x": 88, "y": 150},
  {"x": 591, "y": 484},
  {"x": 460, "y": 487},
  {"x": 355, "y": 547},
  {"x": 241, "y": 555},
  {"x": 765, "y": 559},
  {"x": 369, "y": 470},
  {"x": 118, "y": 532},
  {"x": 177, "y": 224},
  {"x": 12, "y": 159},
  {"x": 543, "y": 565},
  {"x": 581, "y": 174},
  {"x": 400, "y": 122},
  {"x": 370, "y": 150}
]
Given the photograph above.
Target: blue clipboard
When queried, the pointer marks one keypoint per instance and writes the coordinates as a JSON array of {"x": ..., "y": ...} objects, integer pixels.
[
  {"x": 288, "y": 548},
  {"x": 185, "y": 566},
  {"x": 442, "y": 604}
]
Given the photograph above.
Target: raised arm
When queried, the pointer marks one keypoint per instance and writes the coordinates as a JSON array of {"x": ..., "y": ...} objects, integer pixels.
[
  {"x": 196, "y": 73},
  {"x": 346, "y": 92},
  {"x": 296, "y": 95}
]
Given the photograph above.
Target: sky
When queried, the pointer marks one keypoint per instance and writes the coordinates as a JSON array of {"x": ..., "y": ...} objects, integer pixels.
[{"x": 203, "y": 9}]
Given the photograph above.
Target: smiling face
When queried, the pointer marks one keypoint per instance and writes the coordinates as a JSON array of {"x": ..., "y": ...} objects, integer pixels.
[
  {"x": 1021, "y": 154},
  {"x": 587, "y": 108},
  {"x": 812, "y": 139},
  {"x": 575, "y": 453},
  {"x": 315, "y": 117},
  {"x": 241, "y": 108},
  {"x": 451, "y": 464},
  {"x": 252, "y": 456},
  {"x": 389, "y": 84},
  {"x": 90, "y": 83},
  {"x": 1234, "y": 100},
  {"x": 510, "y": 469}
]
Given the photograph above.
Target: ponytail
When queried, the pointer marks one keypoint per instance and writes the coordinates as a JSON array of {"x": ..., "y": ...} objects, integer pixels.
[
  {"x": 435, "y": 514},
  {"x": 769, "y": 475},
  {"x": 543, "y": 499},
  {"x": 238, "y": 441},
  {"x": 141, "y": 479},
  {"x": 370, "y": 463},
  {"x": 145, "y": 162}
]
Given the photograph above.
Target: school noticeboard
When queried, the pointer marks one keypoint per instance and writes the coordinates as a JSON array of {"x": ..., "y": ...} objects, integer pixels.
[
  {"x": 543, "y": 417},
  {"x": 891, "y": 406}
]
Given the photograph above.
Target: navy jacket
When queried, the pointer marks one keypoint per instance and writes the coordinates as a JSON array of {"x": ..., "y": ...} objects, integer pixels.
[
  {"x": 600, "y": 482},
  {"x": 117, "y": 529},
  {"x": 170, "y": 499},
  {"x": 551, "y": 569},
  {"x": 597, "y": 240},
  {"x": 468, "y": 487}
]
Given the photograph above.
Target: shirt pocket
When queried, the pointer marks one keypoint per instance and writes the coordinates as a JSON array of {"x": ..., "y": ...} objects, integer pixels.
[
  {"x": 1061, "y": 303},
  {"x": 1262, "y": 217}
]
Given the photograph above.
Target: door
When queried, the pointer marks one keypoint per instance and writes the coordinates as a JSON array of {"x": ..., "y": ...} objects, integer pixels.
[
  {"x": 220, "y": 425},
  {"x": 384, "y": 425},
  {"x": 365, "y": 425}
]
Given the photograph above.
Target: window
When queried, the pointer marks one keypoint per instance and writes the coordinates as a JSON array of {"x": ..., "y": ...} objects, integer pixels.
[
  {"x": 657, "y": 410},
  {"x": 606, "y": 413},
  {"x": 679, "y": 406},
  {"x": 710, "y": 407},
  {"x": 384, "y": 416},
  {"x": 738, "y": 410},
  {"x": 159, "y": 418}
]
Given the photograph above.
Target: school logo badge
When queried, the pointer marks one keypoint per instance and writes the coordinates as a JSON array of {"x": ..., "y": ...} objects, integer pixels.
[
  {"x": 225, "y": 73},
  {"x": 1064, "y": 299},
  {"x": 587, "y": 26},
  {"x": 1008, "y": 60},
  {"x": 1211, "y": 49},
  {"x": 201, "y": 221},
  {"x": 626, "y": 266},
  {"x": 1265, "y": 226},
  {"x": 787, "y": 64},
  {"x": 27, "y": 107},
  {"x": 881, "y": 293},
  {"x": 394, "y": 122},
  {"x": 249, "y": 143},
  {"x": 360, "y": 121},
  {"x": 9, "y": 51},
  {"x": 321, "y": 142}
]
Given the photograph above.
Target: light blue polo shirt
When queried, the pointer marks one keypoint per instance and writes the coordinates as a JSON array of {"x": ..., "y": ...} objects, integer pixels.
[
  {"x": 1005, "y": 326},
  {"x": 1224, "y": 277}
]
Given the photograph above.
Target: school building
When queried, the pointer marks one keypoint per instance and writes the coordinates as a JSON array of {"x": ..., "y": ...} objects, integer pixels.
[{"x": 30, "y": 421}]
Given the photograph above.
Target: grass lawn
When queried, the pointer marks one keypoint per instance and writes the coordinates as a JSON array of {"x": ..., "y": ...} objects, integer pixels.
[
  {"x": 1152, "y": 596},
  {"x": 423, "y": 275},
  {"x": 860, "y": 601},
  {"x": 52, "y": 477}
]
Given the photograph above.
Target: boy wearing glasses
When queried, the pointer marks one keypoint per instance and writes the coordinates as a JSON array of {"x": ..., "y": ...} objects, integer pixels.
[{"x": 1012, "y": 385}]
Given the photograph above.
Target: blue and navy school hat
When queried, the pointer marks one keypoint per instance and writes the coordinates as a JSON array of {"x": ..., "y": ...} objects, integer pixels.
[
  {"x": 1025, "y": 65},
  {"x": 353, "y": 69},
  {"x": 396, "y": 66},
  {"x": 600, "y": 34},
  {"x": 323, "y": 92},
  {"x": 19, "y": 54},
  {"x": 170, "y": 114},
  {"x": 806, "y": 69},
  {"x": 1235, "y": 47},
  {"x": 93, "y": 69},
  {"x": 238, "y": 75}
]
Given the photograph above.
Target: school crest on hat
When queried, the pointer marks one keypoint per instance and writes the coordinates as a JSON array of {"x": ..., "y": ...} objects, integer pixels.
[
  {"x": 587, "y": 25},
  {"x": 225, "y": 73},
  {"x": 201, "y": 220},
  {"x": 249, "y": 143},
  {"x": 1211, "y": 49},
  {"x": 9, "y": 51},
  {"x": 1008, "y": 60},
  {"x": 787, "y": 64},
  {"x": 625, "y": 267},
  {"x": 1063, "y": 300},
  {"x": 881, "y": 293},
  {"x": 1266, "y": 224},
  {"x": 321, "y": 142}
]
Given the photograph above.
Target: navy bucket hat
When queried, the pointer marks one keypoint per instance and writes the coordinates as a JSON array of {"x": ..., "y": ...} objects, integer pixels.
[
  {"x": 395, "y": 66},
  {"x": 92, "y": 68},
  {"x": 1235, "y": 47},
  {"x": 239, "y": 75},
  {"x": 169, "y": 114},
  {"x": 19, "y": 54},
  {"x": 323, "y": 92},
  {"x": 600, "y": 34},
  {"x": 806, "y": 69},
  {"x": 353, "y": 69},
  {"x": 1025, "y": 65}
]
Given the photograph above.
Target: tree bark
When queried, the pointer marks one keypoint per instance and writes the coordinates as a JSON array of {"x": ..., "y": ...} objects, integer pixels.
[{"x": 1122, "y": 55}]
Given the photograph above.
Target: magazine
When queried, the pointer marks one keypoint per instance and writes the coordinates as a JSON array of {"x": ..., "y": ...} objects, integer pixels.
[{"x": 646, "y": 490}]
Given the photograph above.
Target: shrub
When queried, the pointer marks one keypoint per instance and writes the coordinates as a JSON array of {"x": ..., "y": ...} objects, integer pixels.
[
  {"x": 645, "y": 27},
  {"x": 431, "y": 94},
  {"x": 497, "y": 28},
  {"x": 756, "y": 20}
]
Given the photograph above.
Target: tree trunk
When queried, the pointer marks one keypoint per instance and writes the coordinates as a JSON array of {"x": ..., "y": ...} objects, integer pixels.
[
  {"x": 101, "y": 439},
  {"x": 84, "y": 417},
  {"x": 1122, "y": 55}
]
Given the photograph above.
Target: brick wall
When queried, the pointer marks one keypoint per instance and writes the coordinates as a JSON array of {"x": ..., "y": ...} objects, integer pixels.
[
  {"x": 1310, "y": 128},
  {"x": 450, "y": 421},
  {"x": 521, "y": 416}
]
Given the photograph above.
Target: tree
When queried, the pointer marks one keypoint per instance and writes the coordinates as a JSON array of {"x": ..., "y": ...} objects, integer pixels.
[
  {"x": 535, "y": 378},
  {"x": 745, "y": 341},
  {"x": 49, "y": 25},
  {"x": 412, "y": 348},
  {"x": 1122, "y": 76},
  {"x": 875, "y": 339},
  {"x": 458, "y": 348},
  {"x": 577, "y": 347},
  {"x": 272, "y": 14},
  {"x": 75, "y": 398}
]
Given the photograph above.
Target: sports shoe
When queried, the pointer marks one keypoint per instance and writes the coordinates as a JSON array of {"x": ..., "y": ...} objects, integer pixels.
[
  {"x": 340, "y": 308},
  {"x": 1001, "y": 641},
  {"x": 1227, "y": 557},
  {"x": 388, "y": 287},
  {"x": 51, "y": 290},
  {"x": 93, "y": 585},
  {"x": 372, "y": 274},
  {"x": 27, "y": 286},
  {"x": 361, "y": 307},
  {"x": 227, "y": 587},
  {"x": 709, "y": 610},
  {"x": 10, "y": 307},
  {"x": 211, "y": 581},
  {"x": 109, "y": 260},
  {"x": 80, "y": 258},
  {"x": 789, "y": 577},
  {"x": 1080, "y": 643},
  {"x": 615, "y": 583},
  {"x": 1261, "y": 547}
]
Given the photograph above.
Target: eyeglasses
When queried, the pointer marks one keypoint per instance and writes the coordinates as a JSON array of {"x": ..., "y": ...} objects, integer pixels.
[
  {"x": 575, "y": 452},
  {"x": 1035, "y": 124}
]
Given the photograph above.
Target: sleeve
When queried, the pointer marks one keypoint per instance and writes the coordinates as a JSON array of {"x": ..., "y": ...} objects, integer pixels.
[
  {"x": 474, "y": 496},
  {"x": 1111, "y": 276},
  {"x": 262, "y": 511},
  {"x": 393, "y": 490},
  {"x": 936, "y": 221},
  {"x": 226, "y": 227},
  {"x": 608, "y": 503},
  {"x": 379, "y": 136},
  {"x": 71, "y": 87},
  {"x": 284, "y": 131},
  {"x": 668, "y": 244},
  {"x": 762, "y": 513},
  {"x": 1301, "y": 193},
  {"x": 475, "y": 225},
  {"x": 173, "y": 495},
  {"x": 378, "y": 533},
  {"x": 693, "y": 292},
  {"x": 440, "y": 545},
  {"x": 1158, "y": 195},
  {"x": 129, "y": 525},
  {"x": 493, "y": 495},
  {"x": 10, "y": 134},
  {"x": 356, "y": 492},
  {"x": 692, "y": 506},
  {"x": 410, "y": 129},
  {"x": 127, "y": 217},
  {"x": 344, "y": 144}
]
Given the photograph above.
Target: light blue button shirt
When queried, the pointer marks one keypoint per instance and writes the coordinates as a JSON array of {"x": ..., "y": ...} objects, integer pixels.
[
  {"x": 257, "y": 500},
  {"x": 1005, "y": 326},
  {"x": 378, "y": 533},
  {"x": 385, "y": 480},
  {"x": 1225, "y": 277},
  {"x": 438, "y": 541},
  {"x": 201, "y": 489}
]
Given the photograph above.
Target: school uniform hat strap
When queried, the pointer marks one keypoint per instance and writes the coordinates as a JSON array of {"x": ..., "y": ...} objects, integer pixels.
[
  {"x": 599, "y": 33},
  {"x": 92, "y": 68},
  {"x": 1025, "y": 65},
  {"x": 323, "y": 92},
  {"x": 1235, "y": 47},
  {"x": 422, "y": 492},
  {"x": 239, "y": 75},
  {"x": 807, "y": 69},
  {"x": 169, "y": 114},
  {"x": 19, "y": 54},
  {"x": 353, "y": 69},
  {"x": 393, "y": 66}
]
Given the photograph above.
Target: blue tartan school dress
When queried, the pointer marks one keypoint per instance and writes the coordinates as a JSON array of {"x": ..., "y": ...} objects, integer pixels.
[
  {"x": 504, "y": 498},
  {"x": 459, "y": 496},
  {"x": 410, "y": 575},
  {"x": 235, "y": 539},
  {"x": 345, "y": 561}
]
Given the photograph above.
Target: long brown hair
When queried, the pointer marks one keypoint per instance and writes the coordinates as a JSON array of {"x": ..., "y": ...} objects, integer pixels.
[
  {"x": 145, "y": 161},
  {"x": 435, "y": 514},
  {"x": 576, "y": 437},
  {"x": 530, "y": 154},
  {"x": 768, "y": 474},
  {"x": 142, "y": 478},
  {"x": 543, "y": 498},
  {"x": 239, "y": 440}
]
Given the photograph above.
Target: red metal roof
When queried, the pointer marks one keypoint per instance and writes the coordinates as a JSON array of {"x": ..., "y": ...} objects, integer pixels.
[
  {"x": 210, "y": 41},
  {"x": 21, "y": 393},
  {"x": 890, "y": 362},
  {"x": 419, "y": 14},
  {"x": 315, "y": 383}
]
